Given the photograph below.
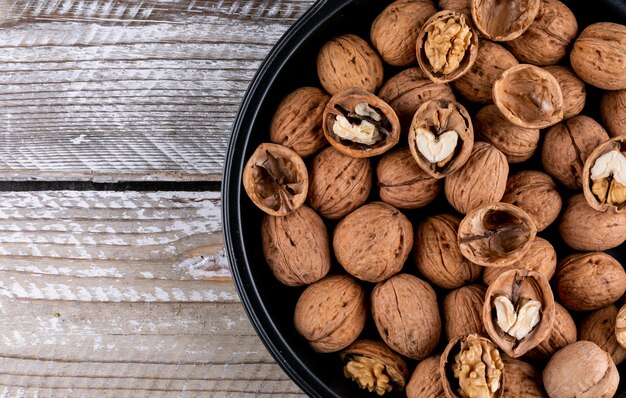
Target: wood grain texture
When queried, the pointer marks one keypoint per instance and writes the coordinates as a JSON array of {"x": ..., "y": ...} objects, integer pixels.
[{"x": 114, "y": 90}]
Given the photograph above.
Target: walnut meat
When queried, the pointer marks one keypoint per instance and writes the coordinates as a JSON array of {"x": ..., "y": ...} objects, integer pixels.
[
  {"x": 599, "y": 327},
  {"x": 604, "y": 176},
  {"x": 620, "y": 326},
  {"x": 426, "y": 380},
  {"x": 504, "y": 21},
  {"x": 462, "y": 311},
  {"x": 613, "y": 111},
  {"x": 572, "y": 87},
  {"x": 563, "y": 332},
  {"x": 522, "y": 380}
]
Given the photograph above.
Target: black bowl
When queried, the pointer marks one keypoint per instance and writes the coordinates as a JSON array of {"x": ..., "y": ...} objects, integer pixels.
[{"x": 291, "y": 64}]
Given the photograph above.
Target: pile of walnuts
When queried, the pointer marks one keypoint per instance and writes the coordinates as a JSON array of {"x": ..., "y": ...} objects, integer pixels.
[{"x": 514, "y": 319}]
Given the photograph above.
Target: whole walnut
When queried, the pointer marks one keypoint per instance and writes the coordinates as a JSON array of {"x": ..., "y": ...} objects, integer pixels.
[
  {"x": 406, "y": 315},
  {"x": 567, "y": 145},
  {"x": 613, "y": 111},
  {"x": 394, "y": 31},
  {"x": 461, "y": 6},
  {"x": 563, "y": 332},
  {"x": 347, "y": 61},
  {"x": 373, "y": 242},
  {"x": 572, "y": 87},
  {"x": 338, "y": 184},
  {"x": 599, "y": 327},
  {"x": 331, "y": 313},
  {"x": 522, "y": 379},
  {"x": 462, "y": 311},
  {"x": 426, "y": 380}
]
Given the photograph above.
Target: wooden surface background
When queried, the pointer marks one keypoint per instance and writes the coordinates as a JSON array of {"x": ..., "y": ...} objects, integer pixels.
[{"x": 125, "y": 294}]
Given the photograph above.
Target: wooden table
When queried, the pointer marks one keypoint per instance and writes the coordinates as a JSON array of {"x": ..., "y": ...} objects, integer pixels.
[{"x": 114, "y": 121}]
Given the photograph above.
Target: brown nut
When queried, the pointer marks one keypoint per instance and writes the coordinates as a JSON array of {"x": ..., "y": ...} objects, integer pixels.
[
  {"x": 460, "y": 6},
  {"x": 477, "y": 83},
  {"x": 297, "y": 123},
  {"x": 331, "y": 313},
  {"x": 535, "y": 193},
  {"x": 528, "y": 96},
  {"x": 359, "y": 124},
  {"x": 599, "y": 55},
  {"x": 517, "y": 143},
  {"x": 563, "y": 332},
  {"x": 447, "y": 46},
  {"x": 604, "y": 176},
  {"x": 373, "y": 242},
  {"x": 504, "y": 21},
  {"x": 496, "y": 234},
  {"x": 599, "y": 327},
  {"x": 540, "y": 257},
  {"x": 566, "y": 147},
  {"x": 471, "y": 366},
  {"x": 589, "y": 281},
  {"x": 518, "y": 311},
  {"x": 613, "y": 111},
  {"x": 395, "y": 30},
  {"x": 584, "y": 228},
  {"x": 462, "y": 311},
  {"x": 296, "y": 247},
  {"x": 347, "y": 61},
  {"x": 547, "y": 39},
  {"x": 402, "y": 183},
  {"x": 620, "y": 326},
  {"x": 572, "y": 87},
  {"x": 522, "y": 380},
  {"x": 426, "y": 380},
  {"x": 338, "y": 184},
  {"x": 581, "y": 369},
  {"x": 406, "y": 315},
  {"x": 437, "y": 253},
  {"x": 441, "y": 137},
  {"x": 480, "y": 181},
  {"x": 373, "y": 366},
  {"x": 275, "y": 178}
]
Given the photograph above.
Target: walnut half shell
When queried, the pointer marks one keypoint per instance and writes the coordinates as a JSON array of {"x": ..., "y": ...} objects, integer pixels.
[{"x": 604, "y": 176}]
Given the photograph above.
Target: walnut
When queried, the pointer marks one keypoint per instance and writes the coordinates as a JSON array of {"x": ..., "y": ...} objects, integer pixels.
[
  {"x": 548, "y": 37},
  {"x": 604, "y": 176},
  {"x": 414, "y": 335},
  {"x": 373, "y": 242},
  {"x": 441, "y": 137},
  {"x": 297, "y": 123},
  {"x": 426, "y": 380},
  {"x": 613, "y": 111},
  {"x": 517, "y": 143},
  {"x": 599, "y": 327},
  {"x": 331, "y": 313},
  {"x": 460, "y": 6},
  {"x": 338, "y": 184},
  {"x": 566, "y": 375},
  {"x": 275, "y": 178},
  {"x": 395, "y": 30},
  {"x": 347, "y": 61},
  {"x": 563, "y": 332},
  {"x": 535, "y": 193},
  {"x": 359, "y": 124},
  {"x": 447, "y": 46},
  {"x": 504, "y": 20},
  {"x": 566, "y": 147},
  {"x": 572, "y": 87},
  {"x": 522, "y": 379},
  {"x": 480, "y": 181},
  {"x": 462, "y": 311},
  {"x": 589, "y": 281},
  {"x": 437, "y": 253},
  {"x": 599, "y": 55},
  {"x": 620, "y": 327},
  {"x": 403, "y": 184}
]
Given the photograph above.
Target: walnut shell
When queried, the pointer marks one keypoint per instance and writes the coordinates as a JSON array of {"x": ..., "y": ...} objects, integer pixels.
[
  {"x": 395, "y": 30},
  {"x": 604, "y": 180},
  {"x": 517, "y": 143},
  {"x": 599, "y": 327},
  {"x": 613, "y": 111},
  {"x": 535, "y": 193},
  {"x": 406, "y": 314},
  {"x": 426, "y": 380},
  {"x": 522, "y": 380},
  {"x": 480, "y": 181},
  {"x": 581, "y": 369},
  {"x": 460, "y": 6},
  {"x": 529, "y": 96},
  {"x": 620, "y": 327},
  {"x": 338, "y": 184},
  {"x": 504, "y": 21},
  {"x": 567, "y": 145},
  {"x": 347, "y": 61},
  {"x": 296, "y": 247},
  {"x": 572, "y": 87},
  {"x": 462, "y": 311},
  {"x": 297, "y": 123},
  {"x": 589, "y": 281},
  {"x": 373, "y": 242},
  {"x": 331, "y": 313},
  {"x": 599, "y": 55},
  {"x": 548, "y": 37},
  {"x": 275, "y": 179},
  {"x": 437, "y": 253},
  {"x": 403, "y": 184},
  {"x": 563, "y": 332}
]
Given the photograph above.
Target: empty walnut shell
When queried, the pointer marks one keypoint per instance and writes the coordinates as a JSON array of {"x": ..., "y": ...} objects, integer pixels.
[
  {"x": 572, "y": 87},
  {"x": 275, "y": 178},
  {"x": 447, "y": 46},
  {"x": 463, "y": 310},
  {"x": 613, "y": 111},
  {"x": 373, "y": 242},
  {"x": 331, "y": 313},
  {"x": 528, "y": 96},
  {"x": 496, "y": 234},
  {"x": 504, "y": 21},
  {"x": 604, "y": 176},
  {"x": 348, "y": 61},
  {"x": 516, "y": 329},
  {"x": 403, "y": 183},
  {"x": 599, "y": 327},
  {"x": 620, "y": 326},
  {"x": 441, "y": 137},
  {"x": 522, "y": 379},
  {"x": 426, "y": 380},
  {"x": 359, "y": 124},
  {"x": 563, "y": 332},
  {"x": 406, "y": 314}
]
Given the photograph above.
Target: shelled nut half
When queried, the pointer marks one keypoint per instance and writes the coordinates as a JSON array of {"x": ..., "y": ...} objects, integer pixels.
[
  {"x": 604, "y": 176},
  {"x": 504, "y": 20}
]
